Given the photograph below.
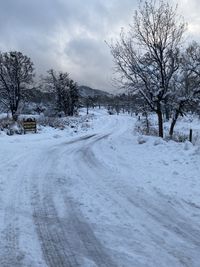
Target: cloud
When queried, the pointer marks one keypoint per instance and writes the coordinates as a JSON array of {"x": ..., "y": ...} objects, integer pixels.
[
  {"x": 90, "y": 55},
  {"x": 63, "y": 34},
  {"x": 189, "y": 9},
  {"x": 69, "y": 35}
]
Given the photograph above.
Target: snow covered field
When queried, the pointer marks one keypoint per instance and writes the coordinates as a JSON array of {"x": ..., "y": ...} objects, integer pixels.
[{"x": 98, "y": 198}]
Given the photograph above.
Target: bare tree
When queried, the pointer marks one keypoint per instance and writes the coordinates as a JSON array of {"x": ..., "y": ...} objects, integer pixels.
[
  {"x": 16, "y": 74},
  {"x": 73, "y": 98},
  {"x": 186, "y": 89},
  {"x": 147, "y": 56},
  {"x": 66, "y": 91}
]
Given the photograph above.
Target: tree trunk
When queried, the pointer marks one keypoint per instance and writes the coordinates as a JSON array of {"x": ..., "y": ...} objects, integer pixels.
[
  {"x": 167, "y": 116},
  {"x": 14, "y": 114},
  {"x": 174, "y": 120},
  {"x": 160, "y": 123},
  {"x": 167, "y": 110},
  {"x": 147, "y": 122}
]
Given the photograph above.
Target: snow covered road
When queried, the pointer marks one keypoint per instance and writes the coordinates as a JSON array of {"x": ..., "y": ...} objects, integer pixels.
[{"x": 98, "y": 199}]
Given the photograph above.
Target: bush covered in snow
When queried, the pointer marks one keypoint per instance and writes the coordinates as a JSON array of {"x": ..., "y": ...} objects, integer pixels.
[
  {"x": 52, "y": 122},
  {"x": 146, "y": 126},
  {"x": 10, "y": 127},
  {"x": 181, "y": 134},
  {"x": 141, "y": 139},
  {"x": 178, "y": 136},
  {"x": 65, "y": 122},
  {"x": 4, "y": 123}
]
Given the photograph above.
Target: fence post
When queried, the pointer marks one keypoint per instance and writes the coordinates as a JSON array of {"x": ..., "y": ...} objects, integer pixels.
[{"x": 190, "y": 136}]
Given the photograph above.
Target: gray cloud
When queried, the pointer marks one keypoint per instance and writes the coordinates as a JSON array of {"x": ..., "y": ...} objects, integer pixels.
[
  {"x": 93, "y": 58},
  {"x": 69, "y": 34}
]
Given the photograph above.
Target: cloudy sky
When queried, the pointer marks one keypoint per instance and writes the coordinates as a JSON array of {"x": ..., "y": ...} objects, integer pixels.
[{"x": 69, "y": 35}]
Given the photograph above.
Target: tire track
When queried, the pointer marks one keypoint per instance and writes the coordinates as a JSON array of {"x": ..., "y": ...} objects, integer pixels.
[
  {"x": 52, "y": 235},
  {"x": 10, "y": 252},
  {"x": 167, "y": 215},
  {"x": 93, "y": 249},
  {"x": 18, "y": 228},
  {"x": 68, "y": 241}
]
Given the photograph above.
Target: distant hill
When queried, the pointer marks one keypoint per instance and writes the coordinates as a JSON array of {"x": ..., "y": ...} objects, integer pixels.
[
  {"x": 37, "y": 96},
  {"x": 86, "y": 91}
]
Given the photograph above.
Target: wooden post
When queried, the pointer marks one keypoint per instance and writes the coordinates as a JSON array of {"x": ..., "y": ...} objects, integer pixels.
[{"x": 190, "y": 136}]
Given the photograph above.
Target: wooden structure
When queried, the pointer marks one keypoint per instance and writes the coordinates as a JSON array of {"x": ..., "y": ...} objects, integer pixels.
[
  {"x": 30, "y": 125},
  {"x": 190, "y": 136}
]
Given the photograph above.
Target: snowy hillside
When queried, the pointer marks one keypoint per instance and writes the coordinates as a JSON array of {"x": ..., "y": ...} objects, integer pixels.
[
  {"x": 101, "y": 196},
  {"x": 86, "y": 91}
]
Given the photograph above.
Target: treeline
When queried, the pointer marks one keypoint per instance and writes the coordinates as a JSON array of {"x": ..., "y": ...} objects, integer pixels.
[{"x": 17, "y": 83}]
